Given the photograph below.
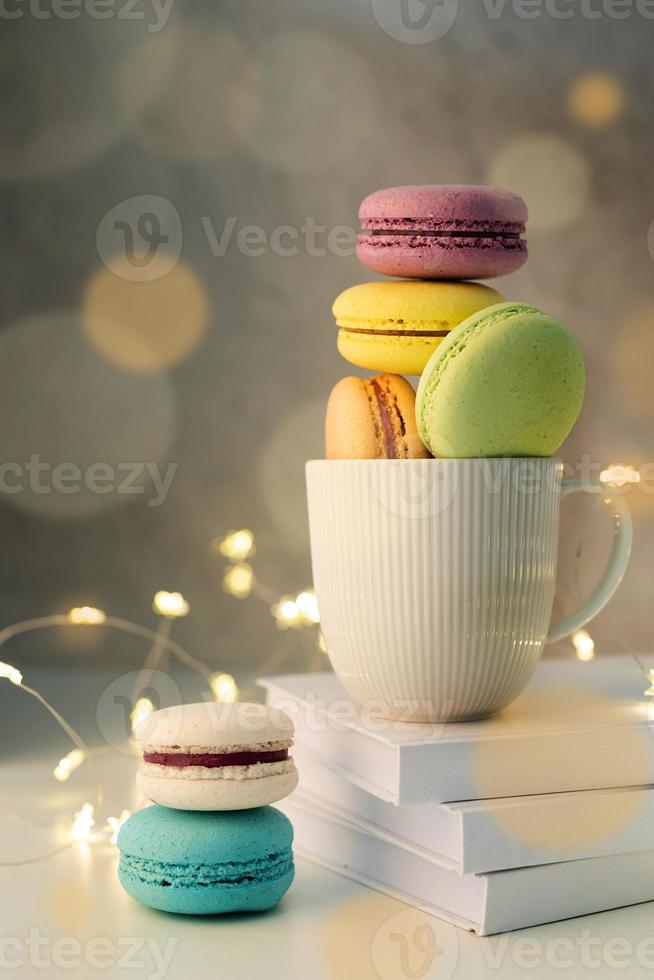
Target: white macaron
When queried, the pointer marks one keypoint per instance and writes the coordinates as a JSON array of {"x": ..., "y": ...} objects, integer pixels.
[{"x": 211, "y": 756}]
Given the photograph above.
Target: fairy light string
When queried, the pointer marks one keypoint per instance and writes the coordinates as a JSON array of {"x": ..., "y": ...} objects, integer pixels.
[
  {"x": 14, "y": 676},
  {"x": 85, "y": 819},
  {"x": 290, "y": 611}
]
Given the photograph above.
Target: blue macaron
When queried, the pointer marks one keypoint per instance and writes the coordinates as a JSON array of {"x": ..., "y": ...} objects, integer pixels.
[{"x": 204, "y": 863}]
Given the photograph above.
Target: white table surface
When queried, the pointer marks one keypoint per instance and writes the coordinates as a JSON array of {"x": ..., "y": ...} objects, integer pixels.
[{"x": 67, "y": 916}]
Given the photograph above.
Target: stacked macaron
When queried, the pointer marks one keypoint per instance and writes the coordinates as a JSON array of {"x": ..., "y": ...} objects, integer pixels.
[
  {"x": 517, "y": 384},
  {"x": 211, "y": 843}
]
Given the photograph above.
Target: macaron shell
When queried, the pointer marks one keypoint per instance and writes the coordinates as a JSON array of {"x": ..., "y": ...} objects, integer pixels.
[
  {"x": 386, "y": 326},
  {"x": 489, "y": 219},
  {"x": 174, "y": 837},
  {"x": 206, "y": 863},
  {"x": 181, "y": 793},
  {"x": 397, "y": 355},
  {"x": 355, "y": 428},
  {"x": 207, "y": 899},
  {"x": 451, "y": 258},
  {"x": 444, "y": 203},
  {"x": 218, "y": 726},
  {"x": 509, "y": 381}
]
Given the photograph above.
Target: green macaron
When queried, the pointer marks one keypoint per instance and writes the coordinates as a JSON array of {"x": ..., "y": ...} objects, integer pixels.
[{"x": 508, "y": 381}]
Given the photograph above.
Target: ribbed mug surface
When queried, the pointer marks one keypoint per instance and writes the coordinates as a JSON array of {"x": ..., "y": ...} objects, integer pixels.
[{"x": 435, "y": 579}]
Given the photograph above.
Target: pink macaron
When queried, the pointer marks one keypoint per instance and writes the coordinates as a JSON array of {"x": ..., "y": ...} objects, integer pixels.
[{"x": 443, "y": 231}]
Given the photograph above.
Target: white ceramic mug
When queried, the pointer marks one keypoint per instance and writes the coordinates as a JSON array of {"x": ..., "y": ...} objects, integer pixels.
[{"x": 435, "y": 578}]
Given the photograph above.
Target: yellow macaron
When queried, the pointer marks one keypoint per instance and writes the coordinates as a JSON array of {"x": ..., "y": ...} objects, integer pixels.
[{"x": 396, "y": 326}]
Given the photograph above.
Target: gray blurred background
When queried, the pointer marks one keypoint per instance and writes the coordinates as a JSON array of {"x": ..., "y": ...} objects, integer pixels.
[{"x": 142, "y": 324}]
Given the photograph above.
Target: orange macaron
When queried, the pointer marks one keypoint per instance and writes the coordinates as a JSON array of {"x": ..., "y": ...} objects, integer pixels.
[{"x": 372, "y": 418}]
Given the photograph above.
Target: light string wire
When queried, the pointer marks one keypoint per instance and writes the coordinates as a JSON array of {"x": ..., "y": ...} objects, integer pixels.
[
  {"x": 291, "y": 612},
  {"x": 161, "y": 642}
]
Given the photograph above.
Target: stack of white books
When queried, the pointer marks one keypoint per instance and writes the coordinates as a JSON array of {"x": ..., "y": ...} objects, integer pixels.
[{"x": 543, "y": 812}]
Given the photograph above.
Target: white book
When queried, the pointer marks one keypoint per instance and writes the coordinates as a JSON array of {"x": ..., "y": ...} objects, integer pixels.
[
  {"x": 577, "y": 726},
  {"x": 491, "y": 835},
  {"x": 485, "y": 903}
]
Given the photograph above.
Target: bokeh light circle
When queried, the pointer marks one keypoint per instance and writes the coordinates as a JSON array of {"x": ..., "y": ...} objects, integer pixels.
[
  {"x": 145, "y": 326},
  {"x": 71, "y": 108},
  {"x": 596, "y": 99},
  {"x": 68, "y": 902},
  {"x": 298, "y": 437},
  {"x": 349, "y": 931},
  {"x": 65, "y": 407},
  {"x": 633, "y": 356},
  {"x": 207, "y": 104},
  {"x": 553, "y": 707},
  {"x": 550, "y": 174},
  {"x": 307, "y": 79}
]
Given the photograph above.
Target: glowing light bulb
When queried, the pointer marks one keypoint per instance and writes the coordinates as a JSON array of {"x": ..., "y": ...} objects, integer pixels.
[
  {"x": 239, "y": 580},
  {"x": 236, "y": 545},
  {"x": 115, "y": 823},
  {"x": 68, "y": 764},
  {"x": 141, "y": 710},
  {"x": 11, "y": 673},
  {"x": 584, "y": 644},
  {"x": 619, "y": 475},
  {"x": 286, "y": 613},
  {"x": 308, "y": 605},
  {"x": 650, "y": 690},
  {"x": 87, "y": 616},
  {"x": 172, "y": 605},
  {"x": 224, "y": 688},
  {"x": 83, "y": 823}
]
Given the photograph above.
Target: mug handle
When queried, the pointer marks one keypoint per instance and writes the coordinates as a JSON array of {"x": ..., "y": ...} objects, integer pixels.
[{"x": 610, "y": 580}]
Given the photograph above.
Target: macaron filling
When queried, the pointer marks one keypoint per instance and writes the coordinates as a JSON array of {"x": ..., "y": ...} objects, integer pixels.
[
  {"x": 165, "y": 874},
  {"x": 390, "y": 418},
  {"x": 413, "y": 232},
  {"x": 427, "y": 223},
  {"x": 424, "y": 233},
  {"x": 214, "y": 760},
  {"x": 396, "y": 333}
]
